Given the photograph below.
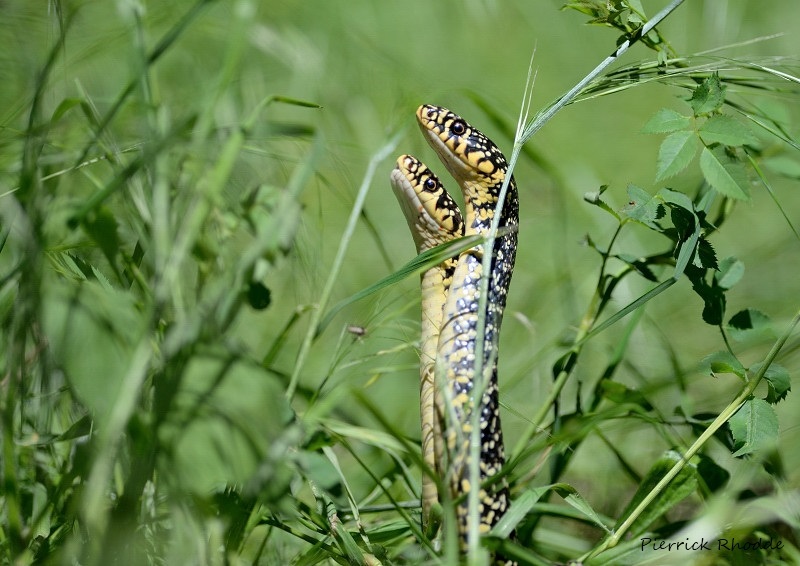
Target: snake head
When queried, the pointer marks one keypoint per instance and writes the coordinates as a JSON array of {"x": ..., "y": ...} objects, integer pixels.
[
  {"x": 431, "y": 213},
  {"x": 468, "y": 154}
]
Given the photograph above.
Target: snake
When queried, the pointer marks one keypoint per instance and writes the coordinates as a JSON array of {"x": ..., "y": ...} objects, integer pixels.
[
  {"x": 434, "y": 219},
  {"x": 480, "y": 169}
]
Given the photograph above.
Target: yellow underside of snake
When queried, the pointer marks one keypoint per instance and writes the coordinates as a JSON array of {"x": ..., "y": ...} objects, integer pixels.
[{"x": 450, "y": 299}]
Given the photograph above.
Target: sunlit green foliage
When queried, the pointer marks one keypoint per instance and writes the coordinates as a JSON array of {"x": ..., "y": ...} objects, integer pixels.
[{"x": 209, "y": 343}]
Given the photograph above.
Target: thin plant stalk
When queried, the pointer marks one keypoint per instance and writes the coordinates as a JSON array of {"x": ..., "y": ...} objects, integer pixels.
[
  {"x": 333, "y": 276},
  {"x": 707, "y": 434}
]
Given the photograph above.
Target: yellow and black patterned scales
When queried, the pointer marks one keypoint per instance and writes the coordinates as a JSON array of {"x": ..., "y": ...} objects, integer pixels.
[{"x": 450, "y": 306}]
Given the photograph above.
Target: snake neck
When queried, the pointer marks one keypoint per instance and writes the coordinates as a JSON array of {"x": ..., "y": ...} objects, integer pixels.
[
  {"x": 481, "y": 202},
  {"x": 457, "y": 346}
]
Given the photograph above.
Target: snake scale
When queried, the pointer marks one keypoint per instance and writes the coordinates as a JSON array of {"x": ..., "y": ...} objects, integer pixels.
[{"x": 451, "y": 295}]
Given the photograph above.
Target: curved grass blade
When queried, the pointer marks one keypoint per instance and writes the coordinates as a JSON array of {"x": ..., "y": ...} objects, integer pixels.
[
  {"x": 161, "y": 47},
  {"x": 355, "y": 214},
  {"x": 422, "y": 262}
]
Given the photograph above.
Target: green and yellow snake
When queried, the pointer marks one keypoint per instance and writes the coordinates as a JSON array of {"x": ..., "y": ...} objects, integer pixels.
[
  {"x": 434, "y": 219},
  {"x": 450, "y": 306}
]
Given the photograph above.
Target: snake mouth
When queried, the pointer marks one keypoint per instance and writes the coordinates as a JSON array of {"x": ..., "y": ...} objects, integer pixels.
[
  {"x": 468, "y": 155},
  {"x": 428, "y": 208},
  {"x": 434, "y": 121}
]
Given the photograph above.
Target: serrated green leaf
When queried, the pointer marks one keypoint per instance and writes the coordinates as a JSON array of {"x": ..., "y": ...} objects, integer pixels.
[
  {"x": 722, "y": 362},
  {"x": 681, "y": 486},
  {"x": 687, "y": 227},
  {"x": 779, "y": 383},
  {"x": 727, "y": 131},
  {"x": 754, "y": 427},
  {"x": 666, "y": 121},
  {"x": 750, "y": 324},
  {"x": 725, "y": 175},
  {"x": 708, "y": 96},
  {"x": 731, "y": 271},
  {"x": 684, "y": 221},
  {"x": 634, "y": 19},
  {"x": 676, "y": 152},
  {"x": 677, "y": 199},
  {"x": 706, "y": 257},
  {"x": 643, "y": 208}
]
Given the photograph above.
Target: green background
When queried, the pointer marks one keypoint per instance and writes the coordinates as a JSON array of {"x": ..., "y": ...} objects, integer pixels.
[{"x": 368, "y": 65}]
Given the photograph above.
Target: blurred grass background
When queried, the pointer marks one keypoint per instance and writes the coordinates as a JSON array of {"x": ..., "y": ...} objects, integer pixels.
[{"x": 368, "y": 65}]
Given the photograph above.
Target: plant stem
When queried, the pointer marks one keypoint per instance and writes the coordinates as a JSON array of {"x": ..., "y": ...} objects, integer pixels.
[
  {"x": 551, "y": 110},
  {"x": 721, "y": 419},
  {"x": 333, "y": 277}
]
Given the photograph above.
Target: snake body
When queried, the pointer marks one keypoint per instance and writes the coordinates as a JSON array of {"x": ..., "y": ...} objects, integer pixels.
[
  {"x": 480, "y": 169},
  {"x": 434, "y": 219}
]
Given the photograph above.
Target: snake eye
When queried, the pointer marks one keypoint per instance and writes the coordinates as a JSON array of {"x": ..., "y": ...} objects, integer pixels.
[
  {"x": 458, "y": 127},
  {"x": 431, "y": 113},
  {"x": 430, "y": 184}
]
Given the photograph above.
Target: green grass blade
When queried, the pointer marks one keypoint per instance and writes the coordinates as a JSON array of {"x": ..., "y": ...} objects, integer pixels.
[
  {"x": 545, "y": 115},
  {"x": 422, "y": 262},
  {"x": 333, "y": 276},
  {"x": 161, "y": 47},
  {"x": 147, "y": 157}
]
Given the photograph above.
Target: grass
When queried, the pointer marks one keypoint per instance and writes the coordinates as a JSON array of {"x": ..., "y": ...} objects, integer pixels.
[{"x": 210, "y": 342}]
